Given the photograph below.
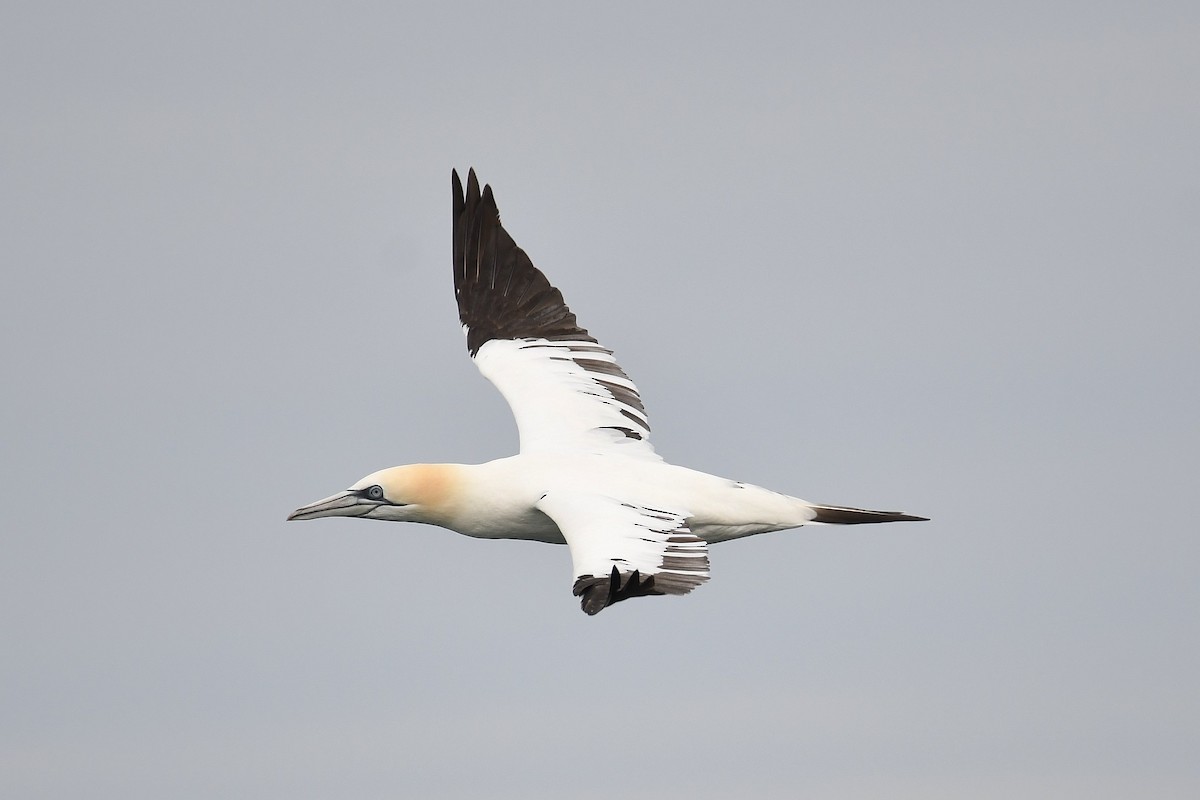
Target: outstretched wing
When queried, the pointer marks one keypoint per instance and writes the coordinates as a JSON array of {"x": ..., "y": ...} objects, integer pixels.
[
  {"x": 620, "y": 550},
  {"x": 565, "y": 390}
]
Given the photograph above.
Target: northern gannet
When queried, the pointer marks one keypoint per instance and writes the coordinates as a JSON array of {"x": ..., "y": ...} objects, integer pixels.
[{"x": 586, "y": 474}]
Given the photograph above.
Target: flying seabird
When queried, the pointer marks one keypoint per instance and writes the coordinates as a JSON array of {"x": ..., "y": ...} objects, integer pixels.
[{"x": 586, "y": 474}]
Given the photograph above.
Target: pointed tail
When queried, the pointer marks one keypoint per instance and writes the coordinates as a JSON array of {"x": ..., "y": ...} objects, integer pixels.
[{"x": 837, "y": 515}]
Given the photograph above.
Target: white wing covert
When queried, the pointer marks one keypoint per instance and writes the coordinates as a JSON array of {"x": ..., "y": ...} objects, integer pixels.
[{"x": 620, "y": 550}]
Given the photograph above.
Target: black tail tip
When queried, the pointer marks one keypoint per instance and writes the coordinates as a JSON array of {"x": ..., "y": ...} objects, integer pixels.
[{"x": 837, "y": 515}]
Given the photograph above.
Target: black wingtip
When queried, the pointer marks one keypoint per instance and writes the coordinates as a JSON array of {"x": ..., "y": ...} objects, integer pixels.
[
  {"x": 487, "y": 203},
  {"x": 596, "y": 594},
  {"x": 593, "y": 593},
  {"x": 472, "y": 186},
  {"x": 500, "y": 294}
]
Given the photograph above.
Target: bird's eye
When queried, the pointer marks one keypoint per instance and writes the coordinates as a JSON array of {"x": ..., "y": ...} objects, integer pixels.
[{"x": 375, "y": 493}]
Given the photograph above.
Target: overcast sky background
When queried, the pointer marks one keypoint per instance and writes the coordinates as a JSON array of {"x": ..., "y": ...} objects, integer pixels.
[{"x": 918, "y": 256}]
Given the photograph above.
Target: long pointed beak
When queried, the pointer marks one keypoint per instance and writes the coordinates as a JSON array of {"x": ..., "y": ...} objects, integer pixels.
[{"x": 342, "y": 504}]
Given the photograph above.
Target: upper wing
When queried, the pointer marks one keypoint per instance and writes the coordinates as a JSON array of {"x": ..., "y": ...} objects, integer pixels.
[
  {"x": 565, "y": 390},
  {"x": 620, "y": 550}
]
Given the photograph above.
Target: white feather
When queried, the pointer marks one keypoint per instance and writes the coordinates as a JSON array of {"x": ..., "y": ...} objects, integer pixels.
[{"x": 559, "y": 404}]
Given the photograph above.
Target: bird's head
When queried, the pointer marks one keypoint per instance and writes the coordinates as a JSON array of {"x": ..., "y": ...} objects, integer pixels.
[{"x": 414, "y": 493}]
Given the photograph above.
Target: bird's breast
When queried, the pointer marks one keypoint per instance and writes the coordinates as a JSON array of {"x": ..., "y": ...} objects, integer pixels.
[{"x": 500, "y": 522}]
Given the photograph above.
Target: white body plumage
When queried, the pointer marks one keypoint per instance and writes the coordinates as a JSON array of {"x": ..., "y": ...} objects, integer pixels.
[{"x": 586, "y": 474}]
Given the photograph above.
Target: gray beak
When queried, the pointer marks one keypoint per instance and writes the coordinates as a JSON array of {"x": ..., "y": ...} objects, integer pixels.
[{"x": 342, "y": 504}]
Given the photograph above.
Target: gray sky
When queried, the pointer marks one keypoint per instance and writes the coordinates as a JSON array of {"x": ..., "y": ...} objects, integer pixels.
[{"x": 925, "y": 257}]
